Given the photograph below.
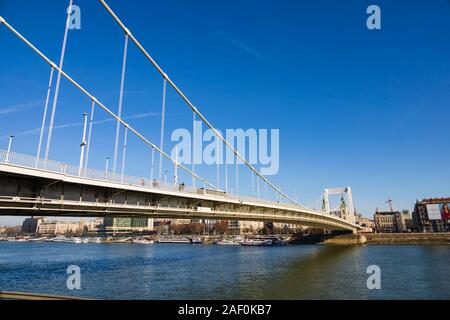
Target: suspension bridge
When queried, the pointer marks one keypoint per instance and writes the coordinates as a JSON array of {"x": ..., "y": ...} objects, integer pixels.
[{"x": 37, "y": 185}]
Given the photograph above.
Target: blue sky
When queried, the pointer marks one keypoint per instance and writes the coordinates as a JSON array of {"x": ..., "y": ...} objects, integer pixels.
[{"x": 355, "y": 107}]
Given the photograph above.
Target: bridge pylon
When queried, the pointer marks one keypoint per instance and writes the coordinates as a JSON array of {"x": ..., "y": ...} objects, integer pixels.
[{"x": 349, "y": 208}]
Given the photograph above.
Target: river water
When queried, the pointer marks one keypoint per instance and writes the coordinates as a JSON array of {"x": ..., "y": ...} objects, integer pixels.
[{"x": 167, "y": 271}]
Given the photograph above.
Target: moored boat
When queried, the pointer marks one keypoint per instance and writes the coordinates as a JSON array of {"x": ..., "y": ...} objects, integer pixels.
[
  {"x": 38, "y": 239},
  {"x": 257, "y": 242},
  {"x": 76, "y": 240},
  {"x": 276, "y": 241},
  {"x": 97, "y": 240},
  {"x": 142, "y": 241},
  {"x": 225, "y": 242},
  {"x": 196, "y": 241},
  {"x": 174, "y": 240}
]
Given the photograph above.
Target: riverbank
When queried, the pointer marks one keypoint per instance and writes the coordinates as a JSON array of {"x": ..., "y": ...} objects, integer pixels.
[
  {"x": 377, "y": 239},
  {"x": 408, "y": 238}
]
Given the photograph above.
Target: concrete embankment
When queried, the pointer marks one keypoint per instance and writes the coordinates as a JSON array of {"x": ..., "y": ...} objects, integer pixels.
[
  {"x": 330, "y": 239},
  {"x": 408, "y": 238},
  {"x": 377, "y": 239}
]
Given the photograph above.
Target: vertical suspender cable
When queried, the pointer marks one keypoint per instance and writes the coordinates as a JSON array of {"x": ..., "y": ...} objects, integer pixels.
[
  {"x": 226, "y": 176},
  {"x": 175, "y": 168},
  {"x": 253, "y": 183},
  {"x": 257, "y": 186},
  {"x": 83, "y": 144},
  {"x": 194, "y": 146},
  {"x": 152, "y": 169},
  {"x": 58, "y": 82},
  {"x": 44, "y": 117},
  {"x": 217, "y": 174},
  {"x": 217, "y": 163},
  {"x": 163, "y": 122},
  {"x": 91, "y": 122},
  {"x": 119, "y": 114},
  {"x": 124, "y": 153},
  {"x": 237, "y": 175}
]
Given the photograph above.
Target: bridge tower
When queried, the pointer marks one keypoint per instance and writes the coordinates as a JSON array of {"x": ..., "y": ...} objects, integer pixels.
[{"x": 347, "y": 194}]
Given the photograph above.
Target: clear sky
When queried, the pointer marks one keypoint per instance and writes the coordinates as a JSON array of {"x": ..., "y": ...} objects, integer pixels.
[{"x": 355, "y": 107}]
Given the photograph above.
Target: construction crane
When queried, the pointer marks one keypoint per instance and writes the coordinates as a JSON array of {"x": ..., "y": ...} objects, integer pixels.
[{"x": 390, "y": 204}]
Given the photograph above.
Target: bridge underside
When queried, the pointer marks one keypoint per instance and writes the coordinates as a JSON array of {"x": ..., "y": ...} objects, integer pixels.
[{"x": 43, "y": 195}]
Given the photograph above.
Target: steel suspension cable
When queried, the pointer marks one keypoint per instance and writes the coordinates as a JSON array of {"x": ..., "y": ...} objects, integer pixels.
[
  {"x": 91, "y": 122},
  {"x": 217, "y": 163},
  {"x": 237, "y": 175},
  {"x": 194, "y": 146},
  {"x": 44, "y": 117},
  {"x": 152, "y": 169},
  {"x": 119, "y": 114},
  {"x": 163, "y": 123},
  {"x": 58, "y": 82},
  {"x": 97, "y": 102},
  {"x": 192, "y": 106},
  {"x": 124, "y": 153}
]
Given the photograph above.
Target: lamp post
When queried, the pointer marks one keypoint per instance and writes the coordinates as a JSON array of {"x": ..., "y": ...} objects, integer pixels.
[
  {"x": 226, "y": 176},
  {"x": 279, "y": 194},
  {"x": 11, "y": 137},
  {"x": 165, "y": 178},
  {"x": 124, "y": 153},
  {"x": 175, "y": 175},
  {"x": 83, "y": 144},
  {"x": 106, "y": 168}
]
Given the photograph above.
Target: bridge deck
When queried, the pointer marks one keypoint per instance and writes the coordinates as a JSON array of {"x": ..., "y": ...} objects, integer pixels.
[{"x": 186, "y": 203}]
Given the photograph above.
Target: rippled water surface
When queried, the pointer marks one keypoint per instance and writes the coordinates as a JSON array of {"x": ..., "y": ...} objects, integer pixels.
[{"x": 126, "y": 271}]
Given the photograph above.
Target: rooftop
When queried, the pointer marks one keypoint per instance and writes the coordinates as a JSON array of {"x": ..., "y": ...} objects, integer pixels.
[{"x": 434, "y": 201}]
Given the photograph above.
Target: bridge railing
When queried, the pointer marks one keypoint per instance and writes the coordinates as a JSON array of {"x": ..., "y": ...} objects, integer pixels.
[
  {"x": 27, "y": 161},
  {"x": 31, "y": 162}
]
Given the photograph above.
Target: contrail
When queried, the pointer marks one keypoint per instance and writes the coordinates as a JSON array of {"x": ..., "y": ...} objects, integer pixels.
[
  {"x": 36, "y": 131},
  {"x": 240, "y": 45},
  {"x": 20, "y": 106}
]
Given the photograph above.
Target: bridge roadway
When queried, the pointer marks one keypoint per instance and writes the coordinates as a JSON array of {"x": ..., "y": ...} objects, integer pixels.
[{"x": 48, "y": 188}]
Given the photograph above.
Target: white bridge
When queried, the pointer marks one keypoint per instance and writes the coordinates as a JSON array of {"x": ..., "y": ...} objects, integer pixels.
[
  {"x": 42, "y": 187},
  {"x": 35, "y": 185}
]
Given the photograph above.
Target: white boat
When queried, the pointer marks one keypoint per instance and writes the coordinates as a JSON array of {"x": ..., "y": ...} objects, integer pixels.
[
  {"x": 85, "y": 241},
  {"x": 175, "y": 240},
  {"x": 257, "y": 243},
  {"x": 276, "y": 241},
  {"x": 196, "y": 241},
  {"x": 60, "y": 239},
  {"x": 76, "y": 240},
  {"x": 142, "y": 241},
  {"x": 97, "y": 240},
  {"x": 227, "y": 243},
  {"x": 38, "y": 239}
]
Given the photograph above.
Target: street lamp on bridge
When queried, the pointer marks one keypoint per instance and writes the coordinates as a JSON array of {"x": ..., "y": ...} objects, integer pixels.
[
  {"x": 106, "y": 168},
  {"x": 11, "y": 137},
  {"x": 83, "y": 143}
]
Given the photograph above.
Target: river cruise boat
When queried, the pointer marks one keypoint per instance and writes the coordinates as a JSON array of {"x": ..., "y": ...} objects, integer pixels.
[{"x": 180, "y": 240}]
